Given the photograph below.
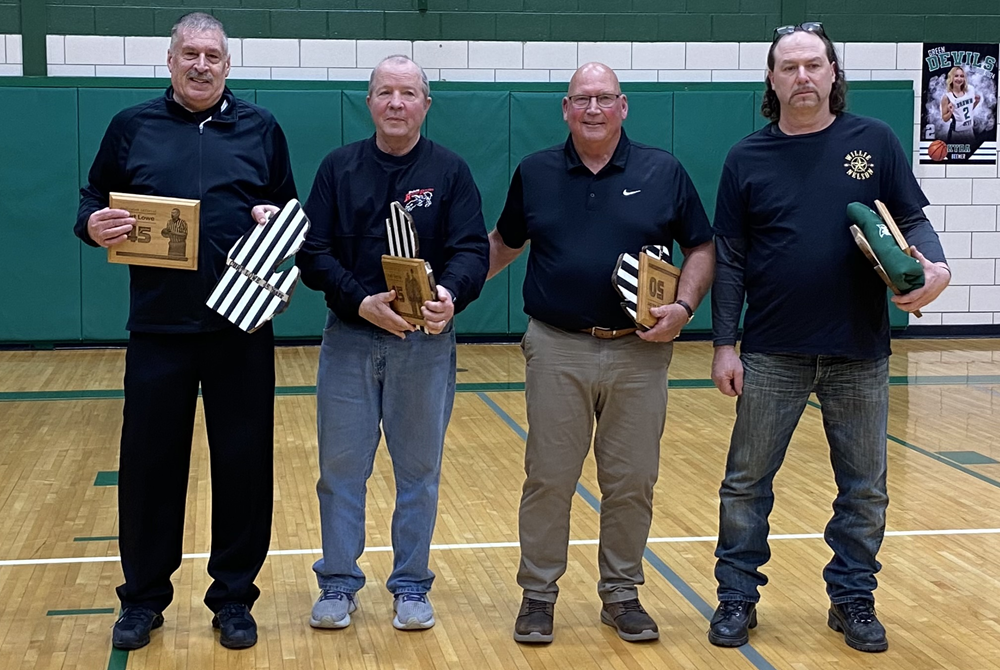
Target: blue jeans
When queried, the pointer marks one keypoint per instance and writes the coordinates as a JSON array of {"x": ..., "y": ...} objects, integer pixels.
[
  {"x": 854, "y": 395},
  {"x": 368, "y": 376}
]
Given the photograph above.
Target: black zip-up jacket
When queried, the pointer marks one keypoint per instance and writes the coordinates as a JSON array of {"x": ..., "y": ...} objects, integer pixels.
[{"x": 234, "y": 159}]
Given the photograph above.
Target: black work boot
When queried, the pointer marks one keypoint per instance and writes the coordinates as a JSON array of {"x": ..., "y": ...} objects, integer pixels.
[
  {"x": 861, "y": 628},
  {"x": 732, "y": 622}
]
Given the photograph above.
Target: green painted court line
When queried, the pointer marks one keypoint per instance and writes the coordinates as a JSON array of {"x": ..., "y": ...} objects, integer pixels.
[
  {"x": 106, "y": 478},
  {"x": 488, "y": 387},
  {"x": 931, "y": 454},
  {"x": 295, "y": 390},
  {"x": 98, "y": 610},
  {"x": 99, "y": 538},
  {"x": 690, "y": 383},
  {"x": 118, "y": 660},
  {"x": 968, "y": 457},
  {"x": 944, "y": 380},
  {"x": 22, "y": 396}
]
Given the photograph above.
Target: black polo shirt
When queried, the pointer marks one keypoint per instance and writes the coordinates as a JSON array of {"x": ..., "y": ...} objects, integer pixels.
[{"x": 578, "y": 224}]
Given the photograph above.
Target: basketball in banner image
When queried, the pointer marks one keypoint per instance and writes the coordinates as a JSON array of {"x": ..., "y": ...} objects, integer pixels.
[
  {"x": 937, "y": 150},
  {"x": 959, "y": 104}
]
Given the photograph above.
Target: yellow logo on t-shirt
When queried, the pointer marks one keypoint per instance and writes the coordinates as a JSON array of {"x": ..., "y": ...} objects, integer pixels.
[{"x": 859, "y": 165}]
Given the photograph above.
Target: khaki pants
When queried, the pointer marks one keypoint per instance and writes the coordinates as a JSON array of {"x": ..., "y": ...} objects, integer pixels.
[{"x": 571, "y": 379}]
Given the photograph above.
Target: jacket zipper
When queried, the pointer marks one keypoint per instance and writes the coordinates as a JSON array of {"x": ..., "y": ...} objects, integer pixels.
[{"x": 201, "y": 133}]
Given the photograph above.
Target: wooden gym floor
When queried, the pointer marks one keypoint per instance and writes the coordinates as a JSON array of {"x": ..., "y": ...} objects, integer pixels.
[{"x": 939, "y": 593}]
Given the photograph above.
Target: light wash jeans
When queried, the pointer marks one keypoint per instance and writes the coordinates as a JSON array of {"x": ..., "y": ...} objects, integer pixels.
[
  {"x": 368, "y": 377},
  {"x": 854, "y": 395}
]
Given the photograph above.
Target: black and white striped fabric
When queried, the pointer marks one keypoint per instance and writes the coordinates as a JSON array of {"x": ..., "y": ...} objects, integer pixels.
[
  {"x": 251, "y": 291},
  {"x": 626, "y": 279},
  {"x": 402, "y": 234}
]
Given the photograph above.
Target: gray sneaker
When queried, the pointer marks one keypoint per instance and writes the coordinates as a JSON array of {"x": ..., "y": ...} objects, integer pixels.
[
  {"x": 413, "y": 611},
  {"x": 333, "y": 609}
]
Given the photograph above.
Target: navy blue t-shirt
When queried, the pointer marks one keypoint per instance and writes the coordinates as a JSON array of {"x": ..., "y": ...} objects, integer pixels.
[
  {"x": 783, "y": 236},
  {"x": 579, "y": 223}
]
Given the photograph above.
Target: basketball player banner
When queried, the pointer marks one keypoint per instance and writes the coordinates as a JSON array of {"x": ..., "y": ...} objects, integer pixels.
[{"x": 958, "y": 112}]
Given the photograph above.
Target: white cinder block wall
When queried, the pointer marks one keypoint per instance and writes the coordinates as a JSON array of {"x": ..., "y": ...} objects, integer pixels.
[{"x": 964, "y": 199}]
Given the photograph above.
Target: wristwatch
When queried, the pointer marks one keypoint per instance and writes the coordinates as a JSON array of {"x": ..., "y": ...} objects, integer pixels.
[{"x": 687, "y": 308}]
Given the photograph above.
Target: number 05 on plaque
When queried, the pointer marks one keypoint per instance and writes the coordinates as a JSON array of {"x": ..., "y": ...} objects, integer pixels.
[
  {"x": 165, "y": 234},
  {"x": 657, "y": 287}
]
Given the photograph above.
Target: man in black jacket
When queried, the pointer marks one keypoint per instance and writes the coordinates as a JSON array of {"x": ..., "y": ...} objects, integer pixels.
[
  {"x": 197, "y": 141},
  {"x": 374, "y": 367}
]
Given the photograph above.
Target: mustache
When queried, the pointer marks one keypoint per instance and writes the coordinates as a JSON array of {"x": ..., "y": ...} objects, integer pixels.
[{"x": 206, "y": 77}]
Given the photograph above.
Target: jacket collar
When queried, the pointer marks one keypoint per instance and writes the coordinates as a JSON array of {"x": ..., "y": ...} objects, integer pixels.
[{"x": 224, "y": 111}]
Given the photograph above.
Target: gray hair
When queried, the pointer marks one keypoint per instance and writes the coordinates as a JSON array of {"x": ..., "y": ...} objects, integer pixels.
[
  {"x": 400, "y": 59},
  {"x": 198, "y": 22}
]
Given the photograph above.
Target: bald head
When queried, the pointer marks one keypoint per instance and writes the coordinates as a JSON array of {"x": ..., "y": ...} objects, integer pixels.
[
  {"x": 591, "y": 74},
  {"x": 594, "y": 109}
]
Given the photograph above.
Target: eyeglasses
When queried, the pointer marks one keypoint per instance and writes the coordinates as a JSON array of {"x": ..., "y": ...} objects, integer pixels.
[
  {"x": 605, "y": 100},
  {"x": 807, "y": 27}
]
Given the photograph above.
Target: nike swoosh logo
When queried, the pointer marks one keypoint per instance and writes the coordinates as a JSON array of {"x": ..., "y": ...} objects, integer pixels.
[{"x": 627, "y": 192}]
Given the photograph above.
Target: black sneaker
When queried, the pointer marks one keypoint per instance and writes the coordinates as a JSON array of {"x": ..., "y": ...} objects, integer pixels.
[
  {"x": 237, "y": 629},
  {"x": 534, "y": 621},
  {"x": 861, "y": 628},
  {"x": 631, "y": 621},
  {"x": 132, "y": 628},
  {"x": 731, "y": 623}
]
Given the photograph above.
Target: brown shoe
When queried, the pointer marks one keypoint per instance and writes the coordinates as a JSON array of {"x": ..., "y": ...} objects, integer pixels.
[
  {"x": 631, "y": 621},
  {"x": 534, "y": 622}
]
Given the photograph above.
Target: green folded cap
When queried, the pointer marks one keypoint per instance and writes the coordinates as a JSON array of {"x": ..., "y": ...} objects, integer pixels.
[{"x": 904, "y": 271}]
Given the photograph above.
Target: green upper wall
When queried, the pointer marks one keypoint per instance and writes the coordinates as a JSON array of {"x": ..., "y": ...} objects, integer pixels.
[{"x": 535, "y": 20}]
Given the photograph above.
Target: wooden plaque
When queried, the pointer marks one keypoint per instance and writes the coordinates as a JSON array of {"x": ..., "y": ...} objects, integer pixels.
[
  {"x": 657, "y": 287},
  {"x": 165, "y": 234},
  {"x": 413, "y": 280}
]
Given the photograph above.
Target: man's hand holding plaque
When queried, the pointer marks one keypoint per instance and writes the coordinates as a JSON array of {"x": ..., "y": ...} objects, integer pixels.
[
  {"x": 415, "y": 298},
  {"x": 647, "y": 283},
  {"x": 148, "y": 230}
]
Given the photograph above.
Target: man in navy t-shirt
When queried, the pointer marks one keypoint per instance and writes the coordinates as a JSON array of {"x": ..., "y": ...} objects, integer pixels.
[
  {"x": 816, "y": 321},
  {"x": 581, "y": 204}
]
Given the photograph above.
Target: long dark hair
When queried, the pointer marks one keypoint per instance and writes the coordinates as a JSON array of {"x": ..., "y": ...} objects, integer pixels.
[{"x": 770, "y": 108}]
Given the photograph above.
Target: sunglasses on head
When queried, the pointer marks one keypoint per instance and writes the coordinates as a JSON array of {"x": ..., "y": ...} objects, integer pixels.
[{"x": 807, "y": 27}]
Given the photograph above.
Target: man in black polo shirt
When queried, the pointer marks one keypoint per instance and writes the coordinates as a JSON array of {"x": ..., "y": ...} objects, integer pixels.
[
  {"x": 582, "y": 204},
  {"x": 816, "y": 321}
]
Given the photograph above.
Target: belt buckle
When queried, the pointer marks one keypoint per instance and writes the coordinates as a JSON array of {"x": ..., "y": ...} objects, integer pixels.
[{"x": 604, "y": 333}]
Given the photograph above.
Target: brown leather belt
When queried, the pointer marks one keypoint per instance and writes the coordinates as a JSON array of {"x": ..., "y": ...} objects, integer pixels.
[{"x": 608, "y": 333}]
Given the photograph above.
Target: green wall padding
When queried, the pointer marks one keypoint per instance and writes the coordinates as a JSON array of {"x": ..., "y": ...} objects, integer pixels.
[
  {"x": 79, "y": 296},
  {"x": 476, "y": 128},
  {"x": 38, "y": 185},
  {"x": 312, "y": 122}
]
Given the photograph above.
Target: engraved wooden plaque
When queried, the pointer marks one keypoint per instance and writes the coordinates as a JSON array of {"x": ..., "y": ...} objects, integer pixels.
[
  {"x": 413, "y": 280},
  {"x": 657, "y": 287},
  {"x": 165, "y": 234}
]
